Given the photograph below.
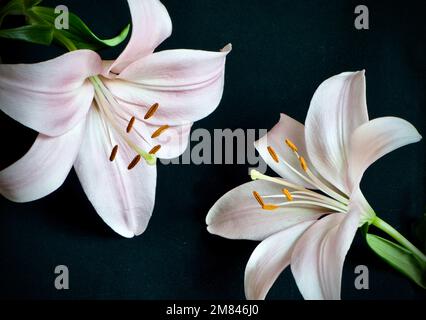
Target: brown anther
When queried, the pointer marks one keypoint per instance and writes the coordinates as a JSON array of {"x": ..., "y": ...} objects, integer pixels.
[
  {"x": 151, "y": 111},
  {"x": 130, "y": 125},
  {"x": 259, "y": 199},
  {"x": 287, "y": 194},
  {"x": 303, "y": 164},
  {"x": 113, "y": 153},
  {"x": 273, "y": 153},
  {"x": 269, "y": 206},
  {"x": 154, "y": 149},
  {"x": 134, "y": 162},
  {"x": 291, "y": 145},
  {"x": 159, "y": 131}
]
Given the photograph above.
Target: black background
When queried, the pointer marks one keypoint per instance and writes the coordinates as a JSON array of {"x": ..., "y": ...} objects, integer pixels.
[{"x": 282, "y": 51}]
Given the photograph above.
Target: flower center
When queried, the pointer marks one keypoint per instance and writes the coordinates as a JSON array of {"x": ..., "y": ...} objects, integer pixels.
[
  {"x": 106, "y": 103},
  {"x": 294, "y": 194}
]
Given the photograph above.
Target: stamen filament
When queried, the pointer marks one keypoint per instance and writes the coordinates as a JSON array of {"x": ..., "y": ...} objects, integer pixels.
[
  {"x": 325, "y": 188},
  {"x": 314, "y": 203},
  {"x": 320, "y": 202},
  {"x": 313, "y": 179},
  {"x": 322, "y": 198}
]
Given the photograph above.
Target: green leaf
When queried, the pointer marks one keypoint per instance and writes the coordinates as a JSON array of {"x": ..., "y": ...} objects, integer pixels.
[
  {"x": 17, "y": 7},
  {"x": 78, "y": 32},
  {"x": 40, "y": 34},
  {"x": 399, "y": 258}
]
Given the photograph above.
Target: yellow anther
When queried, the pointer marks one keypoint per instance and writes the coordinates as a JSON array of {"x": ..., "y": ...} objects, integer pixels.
[
  {"x": 259, "y": 199},
  {"x": 130, "y": 125},
  {"x": 303, "y": 164},
  {"x": 273, "y": 154},
  {"x": 269, "y": 206},
  {"x": 134, "y": 162},
  {"x": 151, "y": 111},
  {"x": 291, "y": 145},
  {"x": 113, "y": 153},
  {"x": 154, "y": 149},
  {"x": 287, "y": 194},
  {"x": 159, "y": 131}
]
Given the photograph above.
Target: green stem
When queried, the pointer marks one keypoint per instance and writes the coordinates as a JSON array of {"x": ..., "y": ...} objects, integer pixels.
[
  {"x": 65, "y": 41},
  {"x": 391, "y": 231}
]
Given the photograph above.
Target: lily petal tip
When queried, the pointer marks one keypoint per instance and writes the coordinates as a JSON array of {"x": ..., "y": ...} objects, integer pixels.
[{"x": 227, "y": 48}]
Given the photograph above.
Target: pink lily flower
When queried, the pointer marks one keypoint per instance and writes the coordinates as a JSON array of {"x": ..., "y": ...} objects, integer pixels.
[
  {"x": 103, "y": 117},
  {"x": 309, "y": 230}
]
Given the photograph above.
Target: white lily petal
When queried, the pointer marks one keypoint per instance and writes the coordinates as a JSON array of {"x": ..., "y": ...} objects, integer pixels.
[
  {"x": 123, "y": 198},
  {"x": 237, "y": 215},
  {"x": 50, "y": 97},
  {"x": 376, "y": 138},
  {"x": 337, "y": 108},
  {"x": 151, "y": 25},
  {"x": 318, "y": 257},
  {"x": 286, "y": 128},
  {"x": 187, "y": 84},
  {"x": 43, "y": 168},
  {"x": 269, "y": 259}
]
